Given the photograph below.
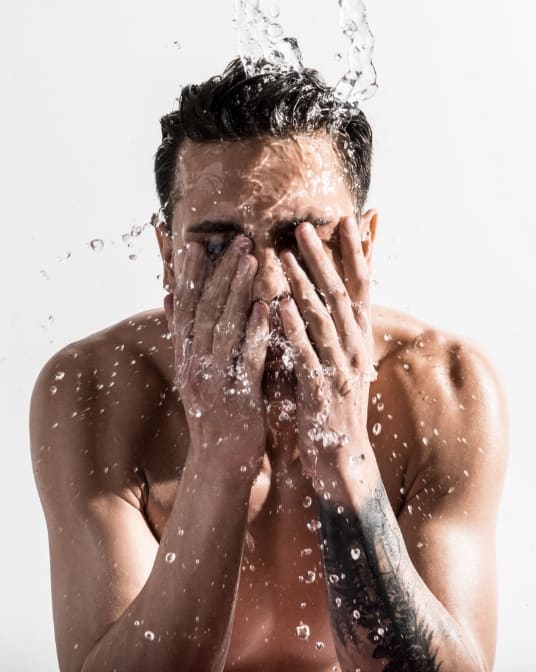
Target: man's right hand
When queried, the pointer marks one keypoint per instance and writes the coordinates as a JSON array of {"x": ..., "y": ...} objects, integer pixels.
[{"x": 220, "y": 348}]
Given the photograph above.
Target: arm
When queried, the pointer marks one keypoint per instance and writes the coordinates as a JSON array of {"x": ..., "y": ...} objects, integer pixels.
[
  {"x": 390, "y": 602},
  {"x": 121, "y": 601},
  {"x": 117, "y": 602},
  {"x": 419, "y": 593}
]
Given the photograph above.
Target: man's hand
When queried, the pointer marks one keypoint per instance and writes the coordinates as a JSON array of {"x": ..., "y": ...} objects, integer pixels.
[
  {"x": 334, "y": 374},
  {"x": 220, "y": 351}
]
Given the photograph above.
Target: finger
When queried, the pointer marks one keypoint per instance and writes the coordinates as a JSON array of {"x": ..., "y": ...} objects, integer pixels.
[
  {"x": 356, "y": 270},
  {"x": 319, "y": 323},
  {"x": 256, "y": 342},
  {"x": 306, "y": 360},
  {"x": 230, "y": 329},
  {"x": 189, "y": 288},
  {"x": 214, "y": 297},
  {"x": 328, "y": 281}
]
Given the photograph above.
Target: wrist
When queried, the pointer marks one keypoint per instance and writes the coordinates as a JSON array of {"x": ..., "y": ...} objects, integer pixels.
[{"x": 345, "y": 474}]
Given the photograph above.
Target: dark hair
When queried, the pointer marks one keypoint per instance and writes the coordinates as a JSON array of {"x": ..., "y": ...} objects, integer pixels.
[{"x": 280, "y": 103}]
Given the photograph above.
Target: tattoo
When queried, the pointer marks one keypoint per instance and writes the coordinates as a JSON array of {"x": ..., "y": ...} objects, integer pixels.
[{"x": 372, "y": 610}]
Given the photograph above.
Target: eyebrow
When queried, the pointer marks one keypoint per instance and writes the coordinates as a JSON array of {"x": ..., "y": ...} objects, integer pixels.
[{"x": 230, "y": 226}]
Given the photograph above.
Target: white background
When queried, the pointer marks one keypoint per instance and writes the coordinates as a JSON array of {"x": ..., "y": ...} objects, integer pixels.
[{"x": 82, "y": 88}]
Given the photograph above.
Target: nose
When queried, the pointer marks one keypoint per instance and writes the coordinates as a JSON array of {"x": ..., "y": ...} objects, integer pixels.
[{"x": 270, "y": 282}]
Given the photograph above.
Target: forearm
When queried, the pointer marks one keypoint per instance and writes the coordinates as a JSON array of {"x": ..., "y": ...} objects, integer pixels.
[
  {"x": 182, "y": 618},
  {"x": 380, "y": 608}
]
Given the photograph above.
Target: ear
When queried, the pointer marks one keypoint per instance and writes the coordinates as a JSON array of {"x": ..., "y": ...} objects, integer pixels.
[
  {"x": 367, "y": 229},
  {"x": 165, "y": 243}
]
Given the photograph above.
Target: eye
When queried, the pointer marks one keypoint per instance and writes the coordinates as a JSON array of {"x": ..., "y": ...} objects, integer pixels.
[
  {"x": 286, "y": 240},
  {"x": 216, "y": 247}
]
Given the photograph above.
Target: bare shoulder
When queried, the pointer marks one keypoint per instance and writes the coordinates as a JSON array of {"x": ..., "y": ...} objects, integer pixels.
[
  {"x": 91, "y": 404},
  {"x": 447, "y": 399}
]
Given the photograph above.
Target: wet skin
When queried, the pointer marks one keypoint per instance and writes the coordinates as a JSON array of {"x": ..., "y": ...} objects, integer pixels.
[{"x": 119, "y": 449}]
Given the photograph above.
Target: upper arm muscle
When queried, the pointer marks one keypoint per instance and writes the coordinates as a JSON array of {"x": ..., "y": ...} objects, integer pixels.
[
  {"x": 101, "y": 549},
  {"x": 448, "y": 519}
]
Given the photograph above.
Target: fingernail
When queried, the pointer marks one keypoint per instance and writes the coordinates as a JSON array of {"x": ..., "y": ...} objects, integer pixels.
[
  {"x": 287, "y": 257},
  {"x": 193, "y": 250},
  {"x": 242, "y": 244}
]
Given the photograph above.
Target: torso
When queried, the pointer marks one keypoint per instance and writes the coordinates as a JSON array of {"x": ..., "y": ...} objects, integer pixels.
[{"x": 281, "y": 584}]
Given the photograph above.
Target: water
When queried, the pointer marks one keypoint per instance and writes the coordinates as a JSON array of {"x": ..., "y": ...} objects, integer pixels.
[
  {"x": 303, "y": 631},
  {"x": 260, "y": 37},
  {"x": 359, "y": 82},
  {"x": 355, "y": 553}
]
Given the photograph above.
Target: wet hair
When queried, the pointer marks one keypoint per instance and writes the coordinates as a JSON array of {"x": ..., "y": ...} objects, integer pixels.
[{"x": 273, "y": 103}]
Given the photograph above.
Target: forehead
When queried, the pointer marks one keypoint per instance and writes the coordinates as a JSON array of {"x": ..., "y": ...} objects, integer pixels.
[{"x": 261, "y": 178}]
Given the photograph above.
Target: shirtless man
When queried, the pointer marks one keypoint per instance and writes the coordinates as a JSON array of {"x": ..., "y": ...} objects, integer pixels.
[{"x": 271, "y": 474}]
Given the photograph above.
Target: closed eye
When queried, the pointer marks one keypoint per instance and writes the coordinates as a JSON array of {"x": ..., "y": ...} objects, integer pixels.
[{"x": 215, "y": 247}]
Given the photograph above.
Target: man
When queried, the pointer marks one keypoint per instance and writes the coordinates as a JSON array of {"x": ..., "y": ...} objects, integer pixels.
[{"x": 274, "y": 474}]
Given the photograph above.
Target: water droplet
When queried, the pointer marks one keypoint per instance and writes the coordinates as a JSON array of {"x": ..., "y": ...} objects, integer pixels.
[
  {"x": 451, "y": 490},
  {"x": 376, "y": 429},
  {"x": 380, "y": 406},
  {"x": 349, "y": 28},
  {"x": 338, "y": 57},
  {"x": 170, "y": 557},
  {"x": 132, "y": 257},
  {"x": 314, "y": 525},
  {"x": 303, "y": 631},
  {"x": 195, "y": 412},
  {"x": 356, "y": 614},
  {"x": 465, "y": 472},
  {"x": 305, "y": 552},
  {"x": 425, "y": 441},
  {"x": 60, "y": 375},
  {"x": 243, "y": 468},
  {"x": 310, "y": 576},
  {"x": 338, "y": 602},
  {"x": 340, "y": 510},
  {"x": 420, "y": 544},
  {"x": 307, "y": 502},
  {"x": 381, "y": 632},
  {"x": 303, "y": 605},
  {"x": 333, "y": 578},
  {"x": 148, "y": 634},
  {"x": 96, "y": 244},
  {"x": 410, "y": 509},
  {"x": 53, "y": 389},
  {"x": 388, "y": 337},
  {"x": 180, "y": 531},
  {"x": 319, "y": 646},
  {"x": 355, "y": 553},
  {"x": 274, "y": 31},
  {"x": 177, "y": 45}
]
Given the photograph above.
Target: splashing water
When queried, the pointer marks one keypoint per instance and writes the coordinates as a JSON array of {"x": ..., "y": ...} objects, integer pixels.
[
  {"x": 359, "y": 82},
  {"x": 261, "y": 38}
]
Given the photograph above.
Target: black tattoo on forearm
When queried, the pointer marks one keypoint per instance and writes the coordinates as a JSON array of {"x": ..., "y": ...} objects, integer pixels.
[{"x": 372, "y": 610}]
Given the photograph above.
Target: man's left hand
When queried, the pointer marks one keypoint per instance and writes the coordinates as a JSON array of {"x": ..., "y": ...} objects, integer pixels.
[{"x": 328, "y": 326}]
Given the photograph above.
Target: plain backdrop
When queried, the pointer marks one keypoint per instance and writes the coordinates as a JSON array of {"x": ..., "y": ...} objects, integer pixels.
[{"x": 83, "y": 85}]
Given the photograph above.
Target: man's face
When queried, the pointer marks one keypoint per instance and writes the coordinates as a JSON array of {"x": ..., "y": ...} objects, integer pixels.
[{"x": 260, "y": 188}]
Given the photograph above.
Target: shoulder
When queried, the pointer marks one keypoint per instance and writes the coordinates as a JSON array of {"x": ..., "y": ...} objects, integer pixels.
[
  {"x": 91, "y": 402},
  {"x": 454, "y": 409}
]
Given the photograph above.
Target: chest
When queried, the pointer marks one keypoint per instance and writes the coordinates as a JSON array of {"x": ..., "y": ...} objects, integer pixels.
[{"x": 281, "y": 614}]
